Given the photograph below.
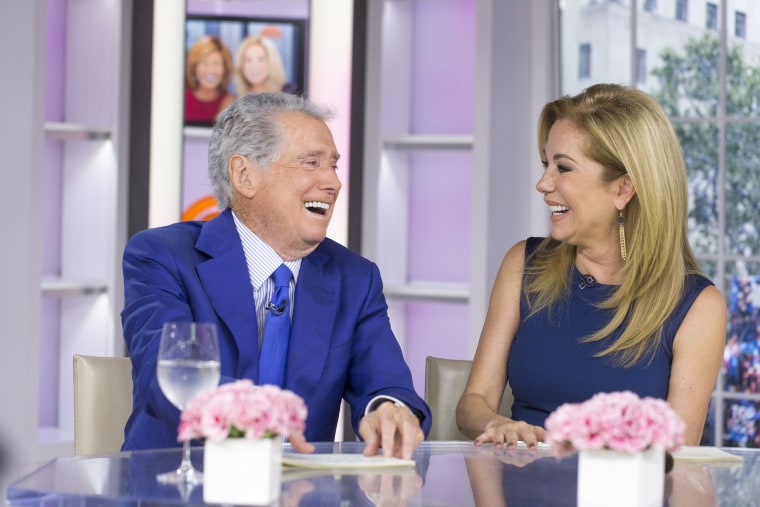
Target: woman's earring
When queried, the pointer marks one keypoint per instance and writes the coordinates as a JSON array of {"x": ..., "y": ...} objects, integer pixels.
[{"x": 621, "y": 228}]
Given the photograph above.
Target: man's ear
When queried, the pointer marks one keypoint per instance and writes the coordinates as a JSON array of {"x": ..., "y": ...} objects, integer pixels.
[
  {"x": 242, "y": 175},
  {"x": 625, "y": 192}
]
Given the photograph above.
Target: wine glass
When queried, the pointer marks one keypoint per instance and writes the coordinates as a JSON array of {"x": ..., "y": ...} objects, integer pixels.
[{"x": 188, "y": 364}]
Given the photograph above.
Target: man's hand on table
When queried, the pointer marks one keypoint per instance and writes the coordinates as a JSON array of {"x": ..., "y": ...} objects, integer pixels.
[
  {"x": 299, "y": 443},
  {"x": 393, "y": 428},
  {"x": 390, "y": 490}
]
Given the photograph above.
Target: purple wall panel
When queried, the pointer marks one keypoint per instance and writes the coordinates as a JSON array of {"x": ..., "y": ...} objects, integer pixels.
[
  {"x": 195, "y": 180},
  {"x": 443, "y": 90},
  {"x": 55, "y": 59},
  {"x": 434, "y": 329},
  {"x": 443, "y": 79},
  {"x": 51, "y": 211},
  {"x": 439, "y": 216}
]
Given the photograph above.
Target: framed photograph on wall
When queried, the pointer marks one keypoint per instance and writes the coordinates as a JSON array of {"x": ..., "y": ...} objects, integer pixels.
[{"x": 226, "y": 57}]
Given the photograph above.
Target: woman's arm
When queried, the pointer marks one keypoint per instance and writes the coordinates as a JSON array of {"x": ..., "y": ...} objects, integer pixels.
[
  {"x": 697, "y": 356},
  {"x": 477, "y": 415}
]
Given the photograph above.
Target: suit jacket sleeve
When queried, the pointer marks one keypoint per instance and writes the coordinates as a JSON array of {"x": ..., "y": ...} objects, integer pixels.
[
  {"x": 378, "y": 365},
  {"x": 158, "y": 287}
]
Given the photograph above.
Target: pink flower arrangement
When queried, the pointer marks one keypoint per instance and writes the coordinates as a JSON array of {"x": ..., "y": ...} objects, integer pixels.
[
  {"x": 619, "y": 421},
  {"x": 242, "y": 409}
]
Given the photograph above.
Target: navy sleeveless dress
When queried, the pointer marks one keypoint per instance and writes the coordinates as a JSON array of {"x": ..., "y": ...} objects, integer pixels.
[{"x": 549, "y": 366}]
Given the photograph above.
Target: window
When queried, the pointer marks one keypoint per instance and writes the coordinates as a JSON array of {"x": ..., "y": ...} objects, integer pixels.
[
  {"x": 650, "y": 5},
  {"x": 682, "y": 10},
  {"x": 740, "y": 25},
  {"x": 705, "y": 86},
  {"x": 641, "y": 66},
  {"x": 584, "y": 61},
  {"x": 711, "y": 16}
]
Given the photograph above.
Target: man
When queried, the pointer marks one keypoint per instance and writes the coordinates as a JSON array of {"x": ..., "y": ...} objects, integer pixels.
[{"x": 272, "y": 165}]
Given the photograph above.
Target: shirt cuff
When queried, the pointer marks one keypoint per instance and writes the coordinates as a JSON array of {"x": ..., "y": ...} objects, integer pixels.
[{"x": 379, "y": 400}]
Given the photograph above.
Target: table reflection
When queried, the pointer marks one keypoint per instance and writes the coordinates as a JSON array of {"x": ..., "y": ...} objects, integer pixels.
[
  {"x": 498, "y": 479},
  {"x": 445, "y": 474}
]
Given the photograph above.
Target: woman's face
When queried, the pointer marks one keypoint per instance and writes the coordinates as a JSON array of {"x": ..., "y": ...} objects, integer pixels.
[
  {"x": 210, "y": 70},
  {"x": 255, "y": 64},
  {"x": 582, "y": 204}
]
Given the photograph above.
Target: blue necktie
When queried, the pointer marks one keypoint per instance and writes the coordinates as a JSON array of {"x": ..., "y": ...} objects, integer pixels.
[{"x": 274, "y": 347}]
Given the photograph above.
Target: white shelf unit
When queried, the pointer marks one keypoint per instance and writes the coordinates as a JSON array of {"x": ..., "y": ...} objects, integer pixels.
[
  {"x": 74, "y": 132},
  {"x": 428, "y": 142},
  {"x": 514, "y": 75},
  {"x": 85, "y": 156}
]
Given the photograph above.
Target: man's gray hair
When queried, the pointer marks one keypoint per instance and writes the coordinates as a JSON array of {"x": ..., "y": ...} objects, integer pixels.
[{"x": 250, "y": 127}]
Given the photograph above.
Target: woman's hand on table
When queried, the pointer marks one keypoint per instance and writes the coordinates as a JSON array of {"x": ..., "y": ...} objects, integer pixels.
[{"x": 503, "y": 431}]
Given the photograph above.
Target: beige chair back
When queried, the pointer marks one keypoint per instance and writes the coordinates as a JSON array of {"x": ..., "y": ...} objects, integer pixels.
[
  {"x": 445, "y": 380},
  {"x": 102, "y": 403}
]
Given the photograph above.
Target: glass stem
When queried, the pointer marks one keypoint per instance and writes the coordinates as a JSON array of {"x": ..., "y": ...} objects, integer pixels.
[{"x": 186, "y": 466}]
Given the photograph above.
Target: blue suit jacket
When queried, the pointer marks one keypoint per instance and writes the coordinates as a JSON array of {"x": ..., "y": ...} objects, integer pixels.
[{"x": 341, "y": 343}]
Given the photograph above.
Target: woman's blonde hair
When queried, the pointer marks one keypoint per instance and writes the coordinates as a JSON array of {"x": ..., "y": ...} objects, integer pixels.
[
  {"x": 627, "y": 132},
  {"x": 203, "y": 47},
  {"x": 276, "y": 77}
]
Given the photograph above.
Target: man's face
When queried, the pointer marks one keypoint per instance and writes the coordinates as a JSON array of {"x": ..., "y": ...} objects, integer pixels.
[{"x": 295, "y": 196}]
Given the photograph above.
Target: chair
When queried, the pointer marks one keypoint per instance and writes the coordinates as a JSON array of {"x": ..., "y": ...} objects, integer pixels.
[
  {"x": 445, "y": 380},
  {"x": 102, "y": 403}
]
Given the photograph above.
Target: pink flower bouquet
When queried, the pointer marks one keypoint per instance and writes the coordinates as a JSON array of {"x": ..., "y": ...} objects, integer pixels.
[
  {"x": 242, "y": 410},
  {"x": 619, "y": 421}
]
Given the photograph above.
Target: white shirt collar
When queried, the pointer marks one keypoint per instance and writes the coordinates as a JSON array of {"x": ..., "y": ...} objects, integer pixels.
[{"x": 261, "y": 258}]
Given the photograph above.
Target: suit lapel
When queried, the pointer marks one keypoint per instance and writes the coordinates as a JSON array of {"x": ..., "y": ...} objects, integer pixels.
[
  {"x": 226, "y": 282},
  {"x": 315, "y": 306}
]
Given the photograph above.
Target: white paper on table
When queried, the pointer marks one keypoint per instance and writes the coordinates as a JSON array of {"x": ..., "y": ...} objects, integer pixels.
[
  {"x": 336, "y": 461},
  {"x": 705, "y": 454}
]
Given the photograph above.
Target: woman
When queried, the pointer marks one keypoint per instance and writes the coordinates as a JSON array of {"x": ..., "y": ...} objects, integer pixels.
[
  {"x": 613, "y": 299},
  {"x": 209, "y": 68},
  {"x": 258, "y": 67}
]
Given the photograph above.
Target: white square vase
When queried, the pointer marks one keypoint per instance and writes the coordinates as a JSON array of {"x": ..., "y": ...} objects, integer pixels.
[
  {"x": 241, "y": 471},
  {"x": 621, "y": 479}
]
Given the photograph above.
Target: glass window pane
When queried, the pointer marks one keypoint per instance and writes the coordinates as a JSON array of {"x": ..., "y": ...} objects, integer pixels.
[
  {"x": 710, "y": 268},
  {"x": 743, "y": 79},
  {"x": 742, "y": 234},
  {"x": 741, "y": 426},
  {"x": 687, "y": 76},
  {"x": 712, "y": 94},
  {"x": 700, "y": 147},
  {"x": 742, "y": 355}
]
